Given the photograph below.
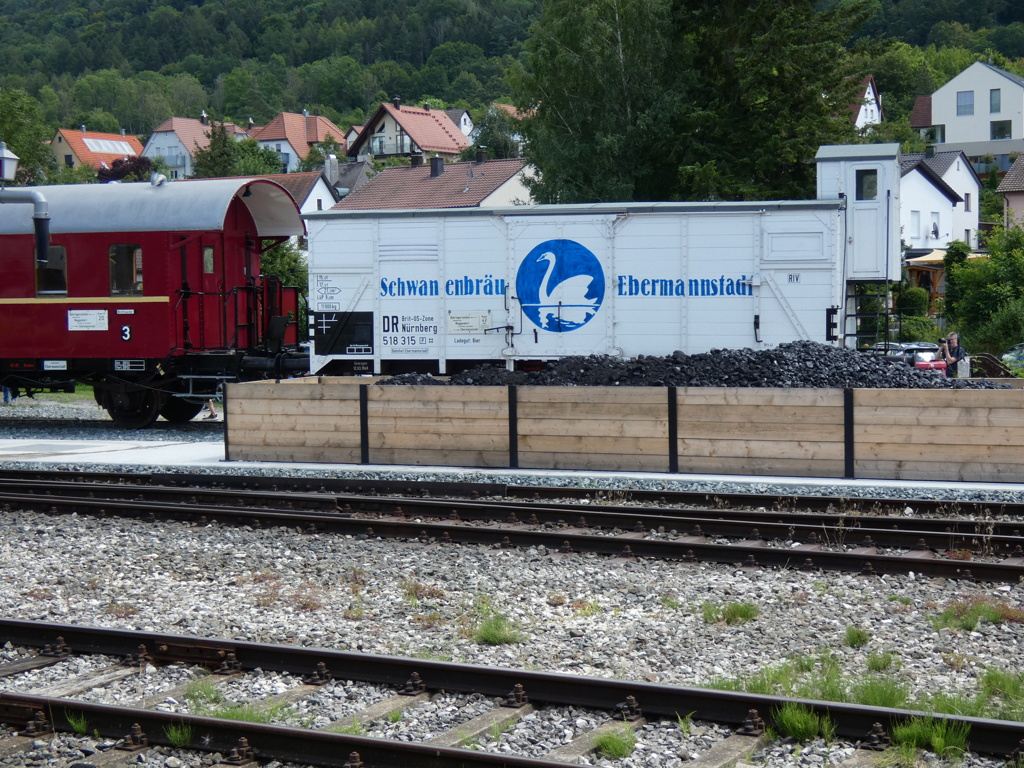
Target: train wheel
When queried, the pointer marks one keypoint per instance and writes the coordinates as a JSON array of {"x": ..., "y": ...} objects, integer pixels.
[
  {"x": 178, "y": 410},
  {"x": 135, "y": 410}
]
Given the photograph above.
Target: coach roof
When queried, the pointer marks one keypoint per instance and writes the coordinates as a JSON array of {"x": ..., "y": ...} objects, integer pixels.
[{"x": 178, "y": 206}]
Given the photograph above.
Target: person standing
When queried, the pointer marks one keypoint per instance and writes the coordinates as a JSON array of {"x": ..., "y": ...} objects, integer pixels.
[
  {"x": 951, "y": 351},
  {"x": 212, "y": 410}
]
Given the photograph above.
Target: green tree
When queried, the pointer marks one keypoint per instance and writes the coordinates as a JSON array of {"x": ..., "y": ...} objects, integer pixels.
[
  {"x": 497, "y": 133},
  {"x": 709, "y": 99},
  {"x": 217, "y": 159},
  {"x": 23, "y": 130},
  {"x": 318, "y": 153},
  {"x": 253, "y": 159},
  {"x": 605, "y": 82}
]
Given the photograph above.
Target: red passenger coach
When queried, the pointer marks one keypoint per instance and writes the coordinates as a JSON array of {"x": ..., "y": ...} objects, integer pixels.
[{"x": 150, "y": 292}]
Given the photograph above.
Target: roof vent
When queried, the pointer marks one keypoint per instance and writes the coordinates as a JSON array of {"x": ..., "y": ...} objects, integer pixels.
[
  {"x": 305, "y": 112},
  {"x": 436, "y": 166}
]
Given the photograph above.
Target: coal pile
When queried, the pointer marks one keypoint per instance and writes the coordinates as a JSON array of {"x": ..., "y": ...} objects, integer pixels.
[{"x": 801, "y": 364}]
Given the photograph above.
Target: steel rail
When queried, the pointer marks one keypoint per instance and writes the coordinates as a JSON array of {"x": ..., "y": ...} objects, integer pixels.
[
  {"x": 732, "y": 707},
  {"x": 951, "y": 535},
  {"x": 689, "y": 549},
  {"x": 723, "y": 501}
]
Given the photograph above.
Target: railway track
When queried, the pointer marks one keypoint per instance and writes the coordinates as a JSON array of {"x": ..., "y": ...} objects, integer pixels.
[
  {"x": 983, "y": 548},
  {"x": 408, "y": 683}
]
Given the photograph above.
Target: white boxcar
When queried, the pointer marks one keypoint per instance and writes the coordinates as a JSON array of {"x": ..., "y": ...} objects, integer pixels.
[{"x": 441, "y": 290}]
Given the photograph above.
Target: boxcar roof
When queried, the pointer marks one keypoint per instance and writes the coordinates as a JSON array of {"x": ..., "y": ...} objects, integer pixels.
[{"x": 175, "y": 206}]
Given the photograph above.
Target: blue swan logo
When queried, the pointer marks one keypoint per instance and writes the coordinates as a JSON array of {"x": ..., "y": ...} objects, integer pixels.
[{"x": 560, "y": 285}]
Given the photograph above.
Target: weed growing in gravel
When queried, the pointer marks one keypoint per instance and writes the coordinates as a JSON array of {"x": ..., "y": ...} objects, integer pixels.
[
  {"x": 585, "y": 608},
  {"x": 880, "y": 662},
  {"x": 354, "y": 613},
  {"x": 671, "y": 602},
  {"x": 248, "y": 712},
  {"x": 899, "y": 756},
  {"x": 685, "y": 723},
  {"x": 947, "y": 740},
  {"x": 856, "y": 637},
  {"x": 428, "y": 620},
  {"x": 802, "y": 723},
  {"x": 431, "y": 654},
  {"x": 203, "y": 692},
  {"x": 730, "y": 613},
  {"x": 179, "y": 735},
  {"x": 496, "y": 629},
  {"x": 967, "y": 614},
  {"x": 616, "y": 744},
  {"x": 499, "y": 727},
  {"x": 350, "y": 729},
  {"x": 307, "y": 598},
  {"x": 879, "y": 692},
  {"x": 395, "y": 716},
  {"x": 901, "y": 599},
  {"x": 414, "y": 591},
  {"x": 961, "y": 704},
  {"x": 556, "y": 599},
  {"x": 78, "y": 722}
]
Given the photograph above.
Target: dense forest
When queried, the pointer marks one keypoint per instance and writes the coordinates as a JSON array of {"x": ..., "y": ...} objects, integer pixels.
[{"x": 132, "y": 63}]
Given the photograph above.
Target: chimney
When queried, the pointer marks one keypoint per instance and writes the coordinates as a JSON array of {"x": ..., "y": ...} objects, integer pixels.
[
  {"x": 305, "y": 112},
  {"x": 121, "y": 131},
  {"x": 426, "y": 106},
  {"x": 481, "y": 156},
  {"x": 331, "y": 169},
  {"x": 929, "y": 151},
  {"x": 397, "y": 101},
  {"x": 416, "y": 160},
  {"x": 203, "y": 119},
  {"x": 436, "y": 166},
  {"x": 82, "y": 128}
]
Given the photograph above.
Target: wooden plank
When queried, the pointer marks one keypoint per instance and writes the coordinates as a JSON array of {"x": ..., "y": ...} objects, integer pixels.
[
  {"x": 585, "y": 444},
  {"x": 951, "y": 454},
  {"x": 972, "y": 472},
  {"x": 595, "y": 427},
  {"x": 296, "y": 437},
  {"x": 426, "y": 424},
  {"x": 759, "y": 396},
  {"x": 764, "y": 414},
  {"x": 929, "y": 415},
  {"x": 426, "y": 394},
  {"x": 760, "y": 449},
  {"x": 436, "y": 442},
  {"x": 760, "y": 466},
  {"x": 574, "y": 411},
  {"x": 329, "y": 409},
  {"x": 796, "y": 431},
  {"x": 597, "y": 462},
  {"x": 943, "y": 435},
  {"x": 586, "y": 395},
  {"x": 940, "y": 398},
  {"x": 295, "y": 454},
  {"x": 276, "y": 391},
  {"x": 448, "y": 458},
  {"x": 311, "y": 423},
  {"x": 448, "y": 409}
]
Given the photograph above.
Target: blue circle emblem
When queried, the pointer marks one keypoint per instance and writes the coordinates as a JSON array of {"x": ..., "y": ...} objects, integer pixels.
[{"x": 560, "y": 285}]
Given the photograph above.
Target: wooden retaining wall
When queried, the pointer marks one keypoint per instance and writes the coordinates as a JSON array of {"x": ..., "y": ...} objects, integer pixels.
[{"x": 975, "y": 435}]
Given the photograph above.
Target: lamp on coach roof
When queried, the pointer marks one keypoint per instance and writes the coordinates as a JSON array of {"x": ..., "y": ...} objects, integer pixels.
[{"x": 8, "y": 163}]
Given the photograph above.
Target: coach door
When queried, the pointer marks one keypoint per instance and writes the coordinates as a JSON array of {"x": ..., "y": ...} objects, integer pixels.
[{"x": 202, "y": 308}]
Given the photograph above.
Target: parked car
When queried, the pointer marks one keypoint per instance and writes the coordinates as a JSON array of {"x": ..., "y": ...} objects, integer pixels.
[
  {"x": 1014, "y": 356},
  {"x": 924, "y": 355}
]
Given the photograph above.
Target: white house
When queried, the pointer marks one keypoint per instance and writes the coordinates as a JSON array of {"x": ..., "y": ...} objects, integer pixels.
[
  {"x": 979, "y": 112},
  {"x": 177, "y": 138},
  {"x": 956, "y": 171},
  {"x": 868, "y": 110},
  {"x": 926, "y": 207}
]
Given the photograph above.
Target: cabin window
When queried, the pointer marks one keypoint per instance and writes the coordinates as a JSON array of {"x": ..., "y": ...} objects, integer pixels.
[
  {"x": 207, "y": 259},
  {"x": 867, "y": 184},
  {"x": 126, "y": 269},
  {"x": 52, "y": 273}
]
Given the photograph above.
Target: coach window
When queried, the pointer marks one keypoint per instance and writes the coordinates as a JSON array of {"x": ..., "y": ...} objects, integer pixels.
[
  {"x": 208, "y": 266},
  {"x": 52, "y": 273},
  {"x": 126, "y": 269},
  {"x": 867, "y": 184}
]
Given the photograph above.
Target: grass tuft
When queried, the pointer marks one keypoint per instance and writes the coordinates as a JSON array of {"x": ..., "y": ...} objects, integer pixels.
[
  {"x": 179, "y": 735},
  {"x": 857, "y": 637},
  {"x": 616, "y": 744},
  {"x": 730, "y": 613},
  {"x": 496, "y": 629},
  {"x": 78, "y": 722},
  {"x": 802, "y": 723}
]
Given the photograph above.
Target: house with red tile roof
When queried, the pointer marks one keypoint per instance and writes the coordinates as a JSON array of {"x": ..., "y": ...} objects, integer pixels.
[
  {"x": 439, "y": 184},
  {"x": 395, "y": 130},
  {"x": 311, "y": 191},
  {"x": 177, "y": 138},
  {"x": 77, "y": 148},
  {"x": 293, "y": 134}
]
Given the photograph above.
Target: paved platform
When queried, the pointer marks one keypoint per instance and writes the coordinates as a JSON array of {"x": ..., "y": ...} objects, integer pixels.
[{"x": 167, "y": 454}]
